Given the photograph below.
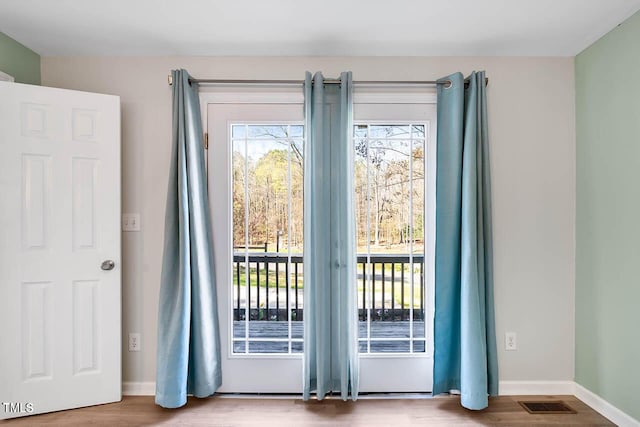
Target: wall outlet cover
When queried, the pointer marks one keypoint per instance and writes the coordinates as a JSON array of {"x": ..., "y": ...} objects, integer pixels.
[
  {"x": 510, "y": 341},
  {"x": 134, "y": 341}
]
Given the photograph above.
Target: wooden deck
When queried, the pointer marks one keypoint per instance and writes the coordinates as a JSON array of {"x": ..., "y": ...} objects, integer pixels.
[{"x": 380, "y": 331}]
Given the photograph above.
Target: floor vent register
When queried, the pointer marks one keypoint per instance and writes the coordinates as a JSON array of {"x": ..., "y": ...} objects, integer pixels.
[{"x": 547, "y": 407}]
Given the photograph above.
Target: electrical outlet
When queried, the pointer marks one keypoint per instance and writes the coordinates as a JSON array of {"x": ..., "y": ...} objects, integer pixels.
[
  {"x": 130, "y": 222},
  {"x": 134, "y": 341},
  {"x": 510, "y": 341}
]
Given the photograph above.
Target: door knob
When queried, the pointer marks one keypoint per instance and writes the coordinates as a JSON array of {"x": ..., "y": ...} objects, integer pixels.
[{"x": 108, "y": 265}]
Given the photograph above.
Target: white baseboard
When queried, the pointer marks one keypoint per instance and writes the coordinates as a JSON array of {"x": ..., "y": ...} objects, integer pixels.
[
  {"x": 139, "y": 388},
  {"x": 605, "y": 408},
  {"x": 507, "y": 388},
  {"x": 524, "y": 388}
]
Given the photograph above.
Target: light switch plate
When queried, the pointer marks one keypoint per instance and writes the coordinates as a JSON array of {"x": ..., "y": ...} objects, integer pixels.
[{"x": 131, "y": 222}]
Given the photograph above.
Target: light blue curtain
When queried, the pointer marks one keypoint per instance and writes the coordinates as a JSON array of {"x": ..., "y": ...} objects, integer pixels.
[
  {"x": 330, "y": 312},
  {"x": 464, "y": 328},
  {"x": 188, "y": 359}
]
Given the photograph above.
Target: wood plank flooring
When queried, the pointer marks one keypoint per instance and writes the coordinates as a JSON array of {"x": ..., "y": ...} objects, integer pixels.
[{"x": 289, "y": 412}]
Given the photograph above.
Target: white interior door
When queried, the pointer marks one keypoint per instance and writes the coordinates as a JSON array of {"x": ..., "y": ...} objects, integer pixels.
[{"x": 60, "y": 268}]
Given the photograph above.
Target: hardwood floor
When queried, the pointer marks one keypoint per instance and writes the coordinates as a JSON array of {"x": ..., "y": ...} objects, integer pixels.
[{"x": 290, "y": 412}]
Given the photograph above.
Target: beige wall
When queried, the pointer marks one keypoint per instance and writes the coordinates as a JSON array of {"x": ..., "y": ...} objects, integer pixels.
[{"x": 532, "y": 137}]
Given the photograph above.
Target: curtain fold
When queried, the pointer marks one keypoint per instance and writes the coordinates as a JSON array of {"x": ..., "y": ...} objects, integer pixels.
[
  {"x": 188, "y": 358},
  {"x": 465, "y": 356},
  {"x": 330, "y": 313}
]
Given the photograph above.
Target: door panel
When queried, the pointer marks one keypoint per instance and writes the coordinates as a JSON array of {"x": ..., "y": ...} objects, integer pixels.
[
  {"x": 395, "y": 207},
  {"x": 60, "y": 219},
  {"x": 240, "y": 134}
]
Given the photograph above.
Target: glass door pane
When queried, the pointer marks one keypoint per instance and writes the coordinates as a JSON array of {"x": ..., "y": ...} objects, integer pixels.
[
  {"x": 267, "y": 237},
  {"x": 390, "y": 211}
]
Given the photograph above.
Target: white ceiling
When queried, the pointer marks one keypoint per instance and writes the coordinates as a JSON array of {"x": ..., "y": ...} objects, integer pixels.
[{"x": 299, "y": 27}]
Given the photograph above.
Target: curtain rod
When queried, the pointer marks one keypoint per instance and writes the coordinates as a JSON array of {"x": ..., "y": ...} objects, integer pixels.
[{"x": 447, "y": 83}]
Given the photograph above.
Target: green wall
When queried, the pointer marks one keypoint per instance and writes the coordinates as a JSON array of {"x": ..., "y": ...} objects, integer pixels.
[
  {"x": 608, "y": 217},
  {"x": 19, "y": 61}
]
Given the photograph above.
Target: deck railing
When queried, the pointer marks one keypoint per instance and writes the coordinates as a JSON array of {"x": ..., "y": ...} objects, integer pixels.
[{"x": 385, "y": 277}]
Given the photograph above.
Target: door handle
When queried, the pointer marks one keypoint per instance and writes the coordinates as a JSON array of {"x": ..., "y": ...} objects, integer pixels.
[{"x": 107, "y": 265}]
